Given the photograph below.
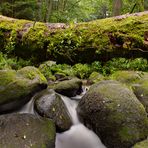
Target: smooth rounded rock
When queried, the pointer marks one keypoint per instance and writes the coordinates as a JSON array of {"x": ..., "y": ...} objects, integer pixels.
[
  {"x": 69, "y": 88},
  {"x": 49, "y": 104},
  {"x": 114, "y": 113}
]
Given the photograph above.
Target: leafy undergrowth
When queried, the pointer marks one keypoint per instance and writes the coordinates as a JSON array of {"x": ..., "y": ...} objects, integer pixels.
[
  {"x": 79, "y": 70},
  {"x": 83, "y": 71},
  {"x": 12, "y": 63}
]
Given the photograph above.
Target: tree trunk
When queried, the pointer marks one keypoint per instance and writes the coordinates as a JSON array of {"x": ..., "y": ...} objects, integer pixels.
[
  {"x": 117, "y": 5},
  {"x": 121, "y": 36}
]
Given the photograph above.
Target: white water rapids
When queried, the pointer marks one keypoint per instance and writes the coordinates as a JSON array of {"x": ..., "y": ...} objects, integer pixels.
[{"x": 78, "y": 136}]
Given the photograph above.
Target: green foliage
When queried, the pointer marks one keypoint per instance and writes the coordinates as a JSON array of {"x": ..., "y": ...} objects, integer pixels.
[
  {"x": 23, "y": 9},
  {"x": 12, "y": 63},
  {"x": 10, "y": 46},
  {"x": 49, "y": 70},
  {"x": 82, "y": 70},
  {"x": 79, "y": 70},
  {"x": 66, "y": 10},
  {"x": 138, "y": 64},
  {"x": 96, "y": 66},
  {"x": 3, "y": 62},
  {"x": 63, "y": 44}
]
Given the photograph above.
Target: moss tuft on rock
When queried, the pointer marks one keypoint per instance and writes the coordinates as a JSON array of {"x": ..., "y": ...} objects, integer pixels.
[{"x": 142, "y": 144}]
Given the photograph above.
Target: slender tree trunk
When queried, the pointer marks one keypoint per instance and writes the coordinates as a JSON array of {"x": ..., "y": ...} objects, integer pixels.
[
  {"x": 49, "y": 10},
  {"x": 140, "y": 4},
  {"x": 39, "y": 3},
  {"x": 117, "y": 5}
]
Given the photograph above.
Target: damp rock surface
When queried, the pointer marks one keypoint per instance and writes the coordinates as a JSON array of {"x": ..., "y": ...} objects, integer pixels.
[
  {"x": 114, "y": 113},
  {"x": 50, "y": 105},
  {"x": 26, "y": 131},
  {"x": 69, "y": 88}
]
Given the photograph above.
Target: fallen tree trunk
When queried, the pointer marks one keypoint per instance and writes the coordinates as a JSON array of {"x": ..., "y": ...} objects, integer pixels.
[{"x": 121, "y": 36}]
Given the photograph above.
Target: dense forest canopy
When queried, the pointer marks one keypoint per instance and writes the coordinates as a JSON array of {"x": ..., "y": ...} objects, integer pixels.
[{"x": 69, "y": 10}]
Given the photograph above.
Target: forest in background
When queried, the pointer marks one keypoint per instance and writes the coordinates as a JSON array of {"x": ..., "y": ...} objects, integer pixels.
[{"x": 69, "y": 10}]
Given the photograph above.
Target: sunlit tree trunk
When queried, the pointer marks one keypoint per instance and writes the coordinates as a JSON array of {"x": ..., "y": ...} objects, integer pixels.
[
  {"x": 117, "y": 5},
  {"x": 49, "y": 9}
]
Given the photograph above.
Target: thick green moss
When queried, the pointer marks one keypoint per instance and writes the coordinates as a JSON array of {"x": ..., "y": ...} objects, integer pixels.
[
  {"x": 95, "y": 77},
  {"x": 31, "y": 73},
  {"x": 127, "y": 77},
  {"x": 18, "y": 87},
  {"x": 142, "y": 144},
  {"x": 103, "y": 39}
]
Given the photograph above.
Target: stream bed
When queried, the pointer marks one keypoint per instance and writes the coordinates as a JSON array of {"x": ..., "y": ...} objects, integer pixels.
[{"x": 78, "y": 136}]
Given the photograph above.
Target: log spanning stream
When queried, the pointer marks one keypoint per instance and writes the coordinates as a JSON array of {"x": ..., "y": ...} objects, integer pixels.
[{"x": 78, "y": 136}]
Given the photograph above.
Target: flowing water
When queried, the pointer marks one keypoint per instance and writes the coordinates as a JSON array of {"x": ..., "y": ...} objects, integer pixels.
[
  {"x": 78, "y": 136},
  {"x": 28, "y": 108}
]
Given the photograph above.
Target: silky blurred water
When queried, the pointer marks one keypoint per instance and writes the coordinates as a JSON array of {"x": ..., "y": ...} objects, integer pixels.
[{"x": 78, "y": 136}]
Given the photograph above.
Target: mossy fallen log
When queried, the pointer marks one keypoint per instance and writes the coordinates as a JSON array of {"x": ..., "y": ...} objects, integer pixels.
[{"x": 121, "y": 36}]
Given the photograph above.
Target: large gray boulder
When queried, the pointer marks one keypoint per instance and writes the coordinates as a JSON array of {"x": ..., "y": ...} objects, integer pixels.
[
  {"x": 17, "y": 87},
  {"x": 114, "y": 113},
  {"x": 26, "y": 131},
  {"x": 50, "y": 105}
]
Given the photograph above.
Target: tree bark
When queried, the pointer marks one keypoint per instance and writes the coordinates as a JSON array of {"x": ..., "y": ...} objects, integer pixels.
[{"x": 117, "y": 5}]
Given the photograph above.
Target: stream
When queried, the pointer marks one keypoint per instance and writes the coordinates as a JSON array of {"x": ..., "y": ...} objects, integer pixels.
[{"x": 78, "y": 136}]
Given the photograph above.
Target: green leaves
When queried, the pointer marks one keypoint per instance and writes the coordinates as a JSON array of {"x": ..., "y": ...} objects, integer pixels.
[{"x": 138, "y": 64}]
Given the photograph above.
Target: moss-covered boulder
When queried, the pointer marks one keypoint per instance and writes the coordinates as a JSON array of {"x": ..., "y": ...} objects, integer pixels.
[
  {"x": 69, "y": 88},
  {"x": 50, "y": 105},
  {"x": 127, "y": 77},
  {"x": 60, "y": 76},
  {"x": 95, "y": 77},
  {"x": 138, "y": 80},
  {"x": 114, "y": 113},
  {"x": 26, "y": 131},
  {"x": 17, "y": 87},
  {"x": 142, "y": 144}
]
